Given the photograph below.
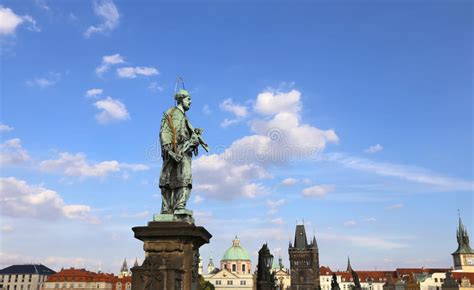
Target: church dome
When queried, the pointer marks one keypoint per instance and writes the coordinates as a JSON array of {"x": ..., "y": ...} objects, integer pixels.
[{"x": 236, "y": 252}]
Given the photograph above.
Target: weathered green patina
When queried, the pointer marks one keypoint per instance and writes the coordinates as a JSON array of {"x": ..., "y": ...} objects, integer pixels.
[{"x": 179, "y": 140}]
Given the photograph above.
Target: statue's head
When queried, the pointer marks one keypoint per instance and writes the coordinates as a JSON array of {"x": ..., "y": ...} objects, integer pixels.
[{"x": 183, "y": 98}]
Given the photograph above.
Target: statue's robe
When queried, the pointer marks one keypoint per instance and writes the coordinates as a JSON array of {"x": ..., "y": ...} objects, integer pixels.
[{"x": 175, "y": 130}]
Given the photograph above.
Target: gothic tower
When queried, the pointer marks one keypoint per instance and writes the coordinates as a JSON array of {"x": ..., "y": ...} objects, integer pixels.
[
  {"x": 464, "y": 256},
  {"x": 124, "y": 269},
  {"x": 304, "y": 262}
]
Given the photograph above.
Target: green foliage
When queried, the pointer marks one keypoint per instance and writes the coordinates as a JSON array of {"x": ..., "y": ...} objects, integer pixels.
[{"x": 205, "y": 285}]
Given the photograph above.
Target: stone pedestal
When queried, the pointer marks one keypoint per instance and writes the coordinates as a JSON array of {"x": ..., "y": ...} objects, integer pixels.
[{"x": 171, "y": 256}]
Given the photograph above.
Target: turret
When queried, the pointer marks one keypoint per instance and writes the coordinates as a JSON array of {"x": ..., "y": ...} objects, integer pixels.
[{"x": 210, "y": 266}]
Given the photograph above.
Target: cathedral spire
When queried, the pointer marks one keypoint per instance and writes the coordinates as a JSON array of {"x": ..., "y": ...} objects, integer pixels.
[
  {"x": 349, "y": 267},
  {"x": 124, "y": 266},
  {"x": 136, "y": 263}
]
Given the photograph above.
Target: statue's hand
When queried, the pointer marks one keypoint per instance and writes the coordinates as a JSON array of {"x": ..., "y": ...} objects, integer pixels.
[{"x": 176, "y": 157}]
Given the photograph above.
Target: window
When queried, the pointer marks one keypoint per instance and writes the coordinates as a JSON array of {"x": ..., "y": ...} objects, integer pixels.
[
  {"x": 98, "y": 285},
  {"x": 229, "y": 282},
  {"x": 436, "y": 280},
  {"x": 56, "y": 285},
  {"x": 178, "y": 284},
  {"x": 29, "y": 278},
  {"x": 234, "y": 267},
  {"x": 243, "y": 282},
  {"x": 243, "y": 268},
  {"x": 218, "y": 282},
  {"x": 71, "y": 285}
]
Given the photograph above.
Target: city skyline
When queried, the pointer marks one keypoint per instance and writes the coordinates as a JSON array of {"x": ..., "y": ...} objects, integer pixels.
[{"x": 354, "y": 117}]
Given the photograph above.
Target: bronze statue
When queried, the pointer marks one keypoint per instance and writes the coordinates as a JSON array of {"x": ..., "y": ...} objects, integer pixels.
[{"x": 179, "y": 140}]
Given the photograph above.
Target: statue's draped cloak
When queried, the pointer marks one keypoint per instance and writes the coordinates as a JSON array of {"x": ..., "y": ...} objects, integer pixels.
[{"x": 175, "y": 130}]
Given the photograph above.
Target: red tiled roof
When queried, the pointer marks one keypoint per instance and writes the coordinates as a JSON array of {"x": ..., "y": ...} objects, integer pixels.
[
  {"x": 80, "y": 275},
  {"x": 325, "y": 270}
]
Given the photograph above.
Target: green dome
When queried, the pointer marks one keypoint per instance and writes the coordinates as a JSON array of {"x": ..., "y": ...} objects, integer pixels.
[{"x": 236, "y": 252}]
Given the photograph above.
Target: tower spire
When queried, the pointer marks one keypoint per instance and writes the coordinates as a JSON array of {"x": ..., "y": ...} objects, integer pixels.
[
  {"x": 463, "y": 239},
  {"x": 349, "y": 267}
]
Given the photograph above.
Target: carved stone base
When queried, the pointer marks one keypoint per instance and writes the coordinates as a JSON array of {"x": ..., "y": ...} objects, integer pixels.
[{"x": 171, "y": 256}]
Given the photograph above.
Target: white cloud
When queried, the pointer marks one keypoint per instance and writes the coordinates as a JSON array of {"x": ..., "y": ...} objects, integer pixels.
[
  {"x": 278, "y": 221},
  {"x": 94, "y": 92},
  {"x": 42, "y": 4},
  {"x": 54, "y": 262},
  {"x": 273, "y": 205},
  {"x": 414, "y": 174},
  {"x": 350, "y": 223},
  {"x": 271, "y": 102},
  {"x": 9, "y": 21},
  {"x": 133, "y": 72},
  {"x": 12, "y": 153},
  {"x": 112, "y": 110},
  {"x": 206, "y": 110},
  {"x": 109, "y": 14},
  {"x": 224, "y": 179},
  {"x": 5, "y": 128},
  {"x": 228, "y": 122},
  {"x": 154, "y": 87},
  {"x": 77, "y": 165},
  {"x": 198, "y": 199},
  {"x": 289, "y": 181},
  {"x": 19, "y": 199},
  {"x": 108, "y": 61},
  {"x": 239, "y": 111},
  {"x": 395, "y": 206},
  {"x": 44, "y": 82},
  {"x": 6, "y": 229},
  {"x": 318, "y": 190},
  {"x": 370, "y": 220},
  {"x": 276, "y": 141},
  {"x": 374, "y": 149}
]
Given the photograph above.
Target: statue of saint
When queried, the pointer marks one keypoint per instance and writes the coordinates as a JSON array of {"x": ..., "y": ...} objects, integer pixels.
[{"x": 179, "y": 140}]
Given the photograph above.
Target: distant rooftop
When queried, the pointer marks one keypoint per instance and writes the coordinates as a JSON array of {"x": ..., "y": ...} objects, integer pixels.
[{"x": 27, "y": 269}]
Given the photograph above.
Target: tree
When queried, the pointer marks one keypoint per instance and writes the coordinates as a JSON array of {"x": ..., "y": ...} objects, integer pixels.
[{"x": 205, "y": 285}]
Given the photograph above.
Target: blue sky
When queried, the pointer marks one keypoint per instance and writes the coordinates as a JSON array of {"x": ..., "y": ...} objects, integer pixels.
[{"x": 355, "y": 117}]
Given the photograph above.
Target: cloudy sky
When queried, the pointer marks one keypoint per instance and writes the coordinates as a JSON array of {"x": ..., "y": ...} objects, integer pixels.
[{"x": 354, "y": 118}]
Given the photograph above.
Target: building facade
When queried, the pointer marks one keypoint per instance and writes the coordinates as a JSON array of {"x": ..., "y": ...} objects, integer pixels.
[
  {"x": 80, "y": 279},
  {"x": 235, "y": 271},
  {"x": 304, "y": 262},
  {"x": 24, "y": 277}
]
